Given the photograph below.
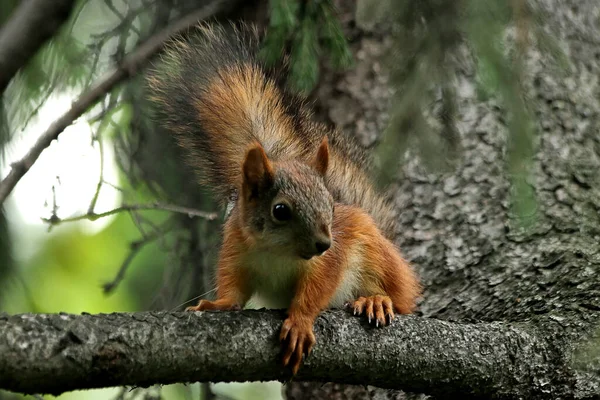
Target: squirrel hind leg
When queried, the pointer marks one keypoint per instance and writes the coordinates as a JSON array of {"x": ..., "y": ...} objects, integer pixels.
[{"x": 378, "y": 309}]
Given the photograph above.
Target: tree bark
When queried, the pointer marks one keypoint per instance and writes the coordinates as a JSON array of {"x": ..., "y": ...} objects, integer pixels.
[
  {"x": 476, "y": 263},
  {"x": 54, "y": 353}
]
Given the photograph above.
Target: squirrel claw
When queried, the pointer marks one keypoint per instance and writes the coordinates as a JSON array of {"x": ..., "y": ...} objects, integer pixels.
[
  {"x": 300, "y": 341},
  {"x": 377, "y": 309}
]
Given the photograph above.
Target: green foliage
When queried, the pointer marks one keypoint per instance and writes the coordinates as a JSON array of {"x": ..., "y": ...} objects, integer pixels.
[
  {"x": 66, "y": 273},
  {"x": 333, "y": 38},
  {"x": 485, "y": 28},
  {"x": 71, "y": 62},
  {"x": 282, "y": 23},
  {"x": 429, "y": 39},
  {"x": 304, "y": 67},
  {"x": 308, "y": 28},
  {"x": 425, "y": 35},
  {"x": 61, "y": 64},
  {"x": 6, "y": 9}
]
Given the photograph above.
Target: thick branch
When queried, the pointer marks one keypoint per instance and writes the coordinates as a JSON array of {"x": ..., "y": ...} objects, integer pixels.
[
  {"x": 29, "y": 27},
  {"x": 49, "y": 353},
  {"x": 128, "y": 67}
]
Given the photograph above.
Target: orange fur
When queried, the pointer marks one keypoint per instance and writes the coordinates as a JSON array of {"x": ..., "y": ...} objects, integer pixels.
[
  {"x": 387, "y": 281},
  {"x": 248, "y": 139},
  {"x": 212, "y": 92},
  {"x": 241, "y": 100}
]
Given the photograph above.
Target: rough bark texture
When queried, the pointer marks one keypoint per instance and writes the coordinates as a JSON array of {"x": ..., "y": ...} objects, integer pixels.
[
  {"x": 50, "y": 353},
  {"x": 455, "y": 227}
]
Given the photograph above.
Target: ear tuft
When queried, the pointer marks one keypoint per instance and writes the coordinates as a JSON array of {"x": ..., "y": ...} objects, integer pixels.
[
  {"x": 321, "y": 161},
  {"x": 257, "y": 169}
]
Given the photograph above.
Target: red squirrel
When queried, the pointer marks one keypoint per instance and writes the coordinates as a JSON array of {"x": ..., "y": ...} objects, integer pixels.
[{"x": 308, "y": 230}]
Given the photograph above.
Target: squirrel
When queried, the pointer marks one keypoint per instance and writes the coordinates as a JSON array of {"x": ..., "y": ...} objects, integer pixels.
[{"x": 307, "y": 231}]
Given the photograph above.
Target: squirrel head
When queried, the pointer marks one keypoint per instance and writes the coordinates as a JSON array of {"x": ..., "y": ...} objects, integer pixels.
[{"x": 285, "y": 205}]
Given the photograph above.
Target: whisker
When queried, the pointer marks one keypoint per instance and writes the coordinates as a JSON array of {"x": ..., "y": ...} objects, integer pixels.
[{"x": 193, "y": 298}]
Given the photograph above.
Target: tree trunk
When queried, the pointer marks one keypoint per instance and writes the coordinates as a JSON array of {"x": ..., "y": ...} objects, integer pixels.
[{"x": 475, "y": 261}]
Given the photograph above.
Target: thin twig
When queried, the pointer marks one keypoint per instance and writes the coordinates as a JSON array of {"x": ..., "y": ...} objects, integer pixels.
[
  {"x": 92, "y": 216},
  {"x": 98, "y": 49},
  {"x": 134, "y": 249},
  {"x": 125, "y": 20},
  {"x": 113, "y": 185},
  {"x": 54, "y": 203},
  {"x": 37, "y": 108},
  {"x": 128, "y": 67},
  {"x": 139, "y": 221},
  {"x": 96, "y": 138},
  {"x": 100, "y": 181}
]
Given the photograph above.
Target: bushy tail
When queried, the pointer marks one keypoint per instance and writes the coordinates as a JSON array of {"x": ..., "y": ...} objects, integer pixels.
[{"x": 212, "y": 92}]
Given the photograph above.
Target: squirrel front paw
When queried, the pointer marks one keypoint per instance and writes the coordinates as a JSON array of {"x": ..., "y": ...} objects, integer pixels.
[
  {"x": 221, "y": 305},
  {"x": 377, "y": 309},
  {"x": 300, "y": 339}
]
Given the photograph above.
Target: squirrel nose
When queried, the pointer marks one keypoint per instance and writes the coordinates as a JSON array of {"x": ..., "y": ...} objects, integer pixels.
[{"x": 322, "y": 245}]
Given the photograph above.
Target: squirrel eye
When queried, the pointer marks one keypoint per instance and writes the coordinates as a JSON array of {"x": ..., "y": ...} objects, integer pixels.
[{"x": 282, "y": 212}]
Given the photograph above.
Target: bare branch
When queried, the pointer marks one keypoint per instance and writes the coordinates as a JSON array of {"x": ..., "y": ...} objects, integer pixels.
[
  {"x": 134, "y": 249},
  {"x": 92, "y": 205},
  {"x": 29, "y": 27},
  {"x": 130, "y": 65},
  {"x": 50, "y": 353},
  {"x": 92, "y": 216}
]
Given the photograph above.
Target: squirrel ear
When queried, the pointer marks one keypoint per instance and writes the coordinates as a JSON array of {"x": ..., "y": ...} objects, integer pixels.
[
  {"x": 321, "y": 161},
  {"x": 257, "y": 169}
]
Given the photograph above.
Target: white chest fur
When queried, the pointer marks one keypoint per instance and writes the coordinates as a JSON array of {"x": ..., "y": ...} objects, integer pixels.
[{"x": 274, "y": 281}]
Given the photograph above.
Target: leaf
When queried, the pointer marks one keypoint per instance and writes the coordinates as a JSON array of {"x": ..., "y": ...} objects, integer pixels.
[
  {"x": 304, "y": 68},
  {"x": 334, "y": 39},
  {"x": 282, "y": 23}
]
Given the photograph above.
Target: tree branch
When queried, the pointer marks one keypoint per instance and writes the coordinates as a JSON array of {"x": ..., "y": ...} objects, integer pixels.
[
  {"x": 128, "y": 67},
  {"x": 93, "y": 216},
  {"x": 134, "y": 249},
  {"x": 29, "y": 27},
  {"x": 50, "y": 353}
]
